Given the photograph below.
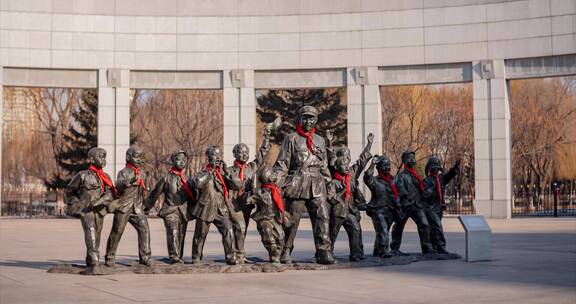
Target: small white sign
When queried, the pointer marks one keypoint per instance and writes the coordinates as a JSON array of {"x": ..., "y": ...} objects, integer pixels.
[{"x": 478, "y": 238}]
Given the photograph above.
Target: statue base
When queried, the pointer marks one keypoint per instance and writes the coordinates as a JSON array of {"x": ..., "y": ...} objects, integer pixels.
[{"x": 253, "y": 265}]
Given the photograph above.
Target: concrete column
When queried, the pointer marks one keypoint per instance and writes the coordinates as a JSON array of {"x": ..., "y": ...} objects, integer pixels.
[
  {"x": 492, "y": 140},
  {"x": 355, "y": 108},
  {"x": 114, "y": 117},
  {"x": 364, "y": 112},
  {"x": 239, "y": 111},
  {"x": 364, "y": 109},
  {"x": 248, "y": 111},
  {"x": 372, "y": 110},
  {"x": 231, "y": 115}
]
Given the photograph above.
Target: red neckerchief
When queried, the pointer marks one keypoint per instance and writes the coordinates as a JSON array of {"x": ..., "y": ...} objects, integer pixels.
[
  {"x": 137, "y": 172},
  {"x": 344, "y": 179},
  {"x": 388, "y": 178},
  {"x": 276, "y": 196},
  {"x": 438, "y": 189},
  {"x": 308, "y": 136},
  {"x": 104, "y": 179},
  {"x": 241, "y": 167},
  {"x": 220, "y": 178},
  {"x": 415, "y": 175},
  {"x": 180, "y": 172}
]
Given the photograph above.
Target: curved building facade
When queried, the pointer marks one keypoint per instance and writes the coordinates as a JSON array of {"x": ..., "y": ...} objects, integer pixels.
[{"x": 241, "y": 45}]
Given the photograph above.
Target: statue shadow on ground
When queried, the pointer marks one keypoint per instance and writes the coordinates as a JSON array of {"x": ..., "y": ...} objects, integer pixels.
[
  {"x": 253, "y": 264},
  {"x": 36, "y": 264}
]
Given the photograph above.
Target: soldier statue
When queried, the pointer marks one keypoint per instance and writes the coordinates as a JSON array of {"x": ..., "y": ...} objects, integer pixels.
[
  {"x": 177, "y": 197},
  {"x": 132, "y": 189},
  {"x": 410, "y": 189},
  {"x": 88, "y": 194},
  {"x": 302, "y": 166},
  {"x": 270, "y": 216},
  {"x": 341, "y": 191},
  {"x": 384, "y": 207},
  {"x": 211, "y": 206},
  {"x": 242, "y": 180},
  {"x": 434, "y": 189}
]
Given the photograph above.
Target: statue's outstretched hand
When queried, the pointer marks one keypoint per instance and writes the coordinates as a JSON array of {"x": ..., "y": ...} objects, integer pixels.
[
  {"x": 329, "y": 135},
  {"x": 375, "y": 160},
  {"x": 370, "y": 138}
]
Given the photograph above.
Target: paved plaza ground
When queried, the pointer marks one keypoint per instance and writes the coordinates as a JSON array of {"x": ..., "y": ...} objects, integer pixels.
[{"x": 534, "y": 262}]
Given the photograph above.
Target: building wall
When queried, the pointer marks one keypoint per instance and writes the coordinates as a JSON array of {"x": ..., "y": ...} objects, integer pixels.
[{"x": 278, "y": 34}]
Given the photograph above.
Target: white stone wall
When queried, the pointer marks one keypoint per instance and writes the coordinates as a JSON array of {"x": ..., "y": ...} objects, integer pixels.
[{"x": 278, "y": 34}]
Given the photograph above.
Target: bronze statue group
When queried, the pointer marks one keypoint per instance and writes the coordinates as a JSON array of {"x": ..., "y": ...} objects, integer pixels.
[{"x": 309, "y": 175}]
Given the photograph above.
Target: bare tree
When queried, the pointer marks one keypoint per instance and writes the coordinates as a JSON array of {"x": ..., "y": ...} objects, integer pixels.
[
  {"x": 283, "y": 103},
  {"x": 163, "y": 121},
  {"x": 432, "y": 119},
  {"x": 543, "y": 120}
]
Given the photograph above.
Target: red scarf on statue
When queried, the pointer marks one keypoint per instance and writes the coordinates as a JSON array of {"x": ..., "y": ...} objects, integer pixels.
[
  {"x": 276, "y": 196},
  {"x": 137, "y": 172},
  {"x": 388, "y": 178},
  {"x": 415, "y": 175},
  {"x": 344, "y": 179},
  {"x": 104, "y": 179},
  {"x": 240, "y": 166},
  {"x": 308, "y": 136},
  {"x": 180, "y": 173},
  {"x": 220, "y": 178},
  {"x": 438, "y": 187}
]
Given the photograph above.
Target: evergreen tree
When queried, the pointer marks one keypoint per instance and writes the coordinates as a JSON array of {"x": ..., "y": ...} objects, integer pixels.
[
  {"x": 285, "y": 104},
  {"x": 82, "y": 136}
]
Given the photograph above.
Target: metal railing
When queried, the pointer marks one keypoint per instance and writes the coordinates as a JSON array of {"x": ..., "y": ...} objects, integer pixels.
[
  {"x": 557, "y": 199},
  {"x": 31, "y": 203},
  {"x": 528, "y": 200}
]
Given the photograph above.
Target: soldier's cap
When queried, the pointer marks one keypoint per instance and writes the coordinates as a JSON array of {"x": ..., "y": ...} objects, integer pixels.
[
  {"x": 178, "y": 152},
  {"x": 383, "y": 158},
  {"x": 308, "y": 110},
  {"x": 407, "y": 153},
  {"x": 93, "y": 152},
  {"x": 434, "y": 160},
  {"x": 133, "y": 149}
]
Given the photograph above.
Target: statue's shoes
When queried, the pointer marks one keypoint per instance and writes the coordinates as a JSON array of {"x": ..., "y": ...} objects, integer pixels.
[
  {"x": 398, "y": 253},
  {"x": 325, "y": 258},
  {"x": 110, "y": 263},
  {"x": 386, "y": 255},
  {"x": 286, "y": 258},
  {"x": 146, "y": 262},
  {"x": 357, "y": 258},
  {"x": 324, "y": 261},
  {"x": 442, "y": 250}
]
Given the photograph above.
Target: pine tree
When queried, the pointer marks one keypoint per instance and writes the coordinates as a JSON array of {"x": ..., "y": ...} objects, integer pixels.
[
  {"x": 285, "y": 104},
  {"x": 82, "y": 136}
]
